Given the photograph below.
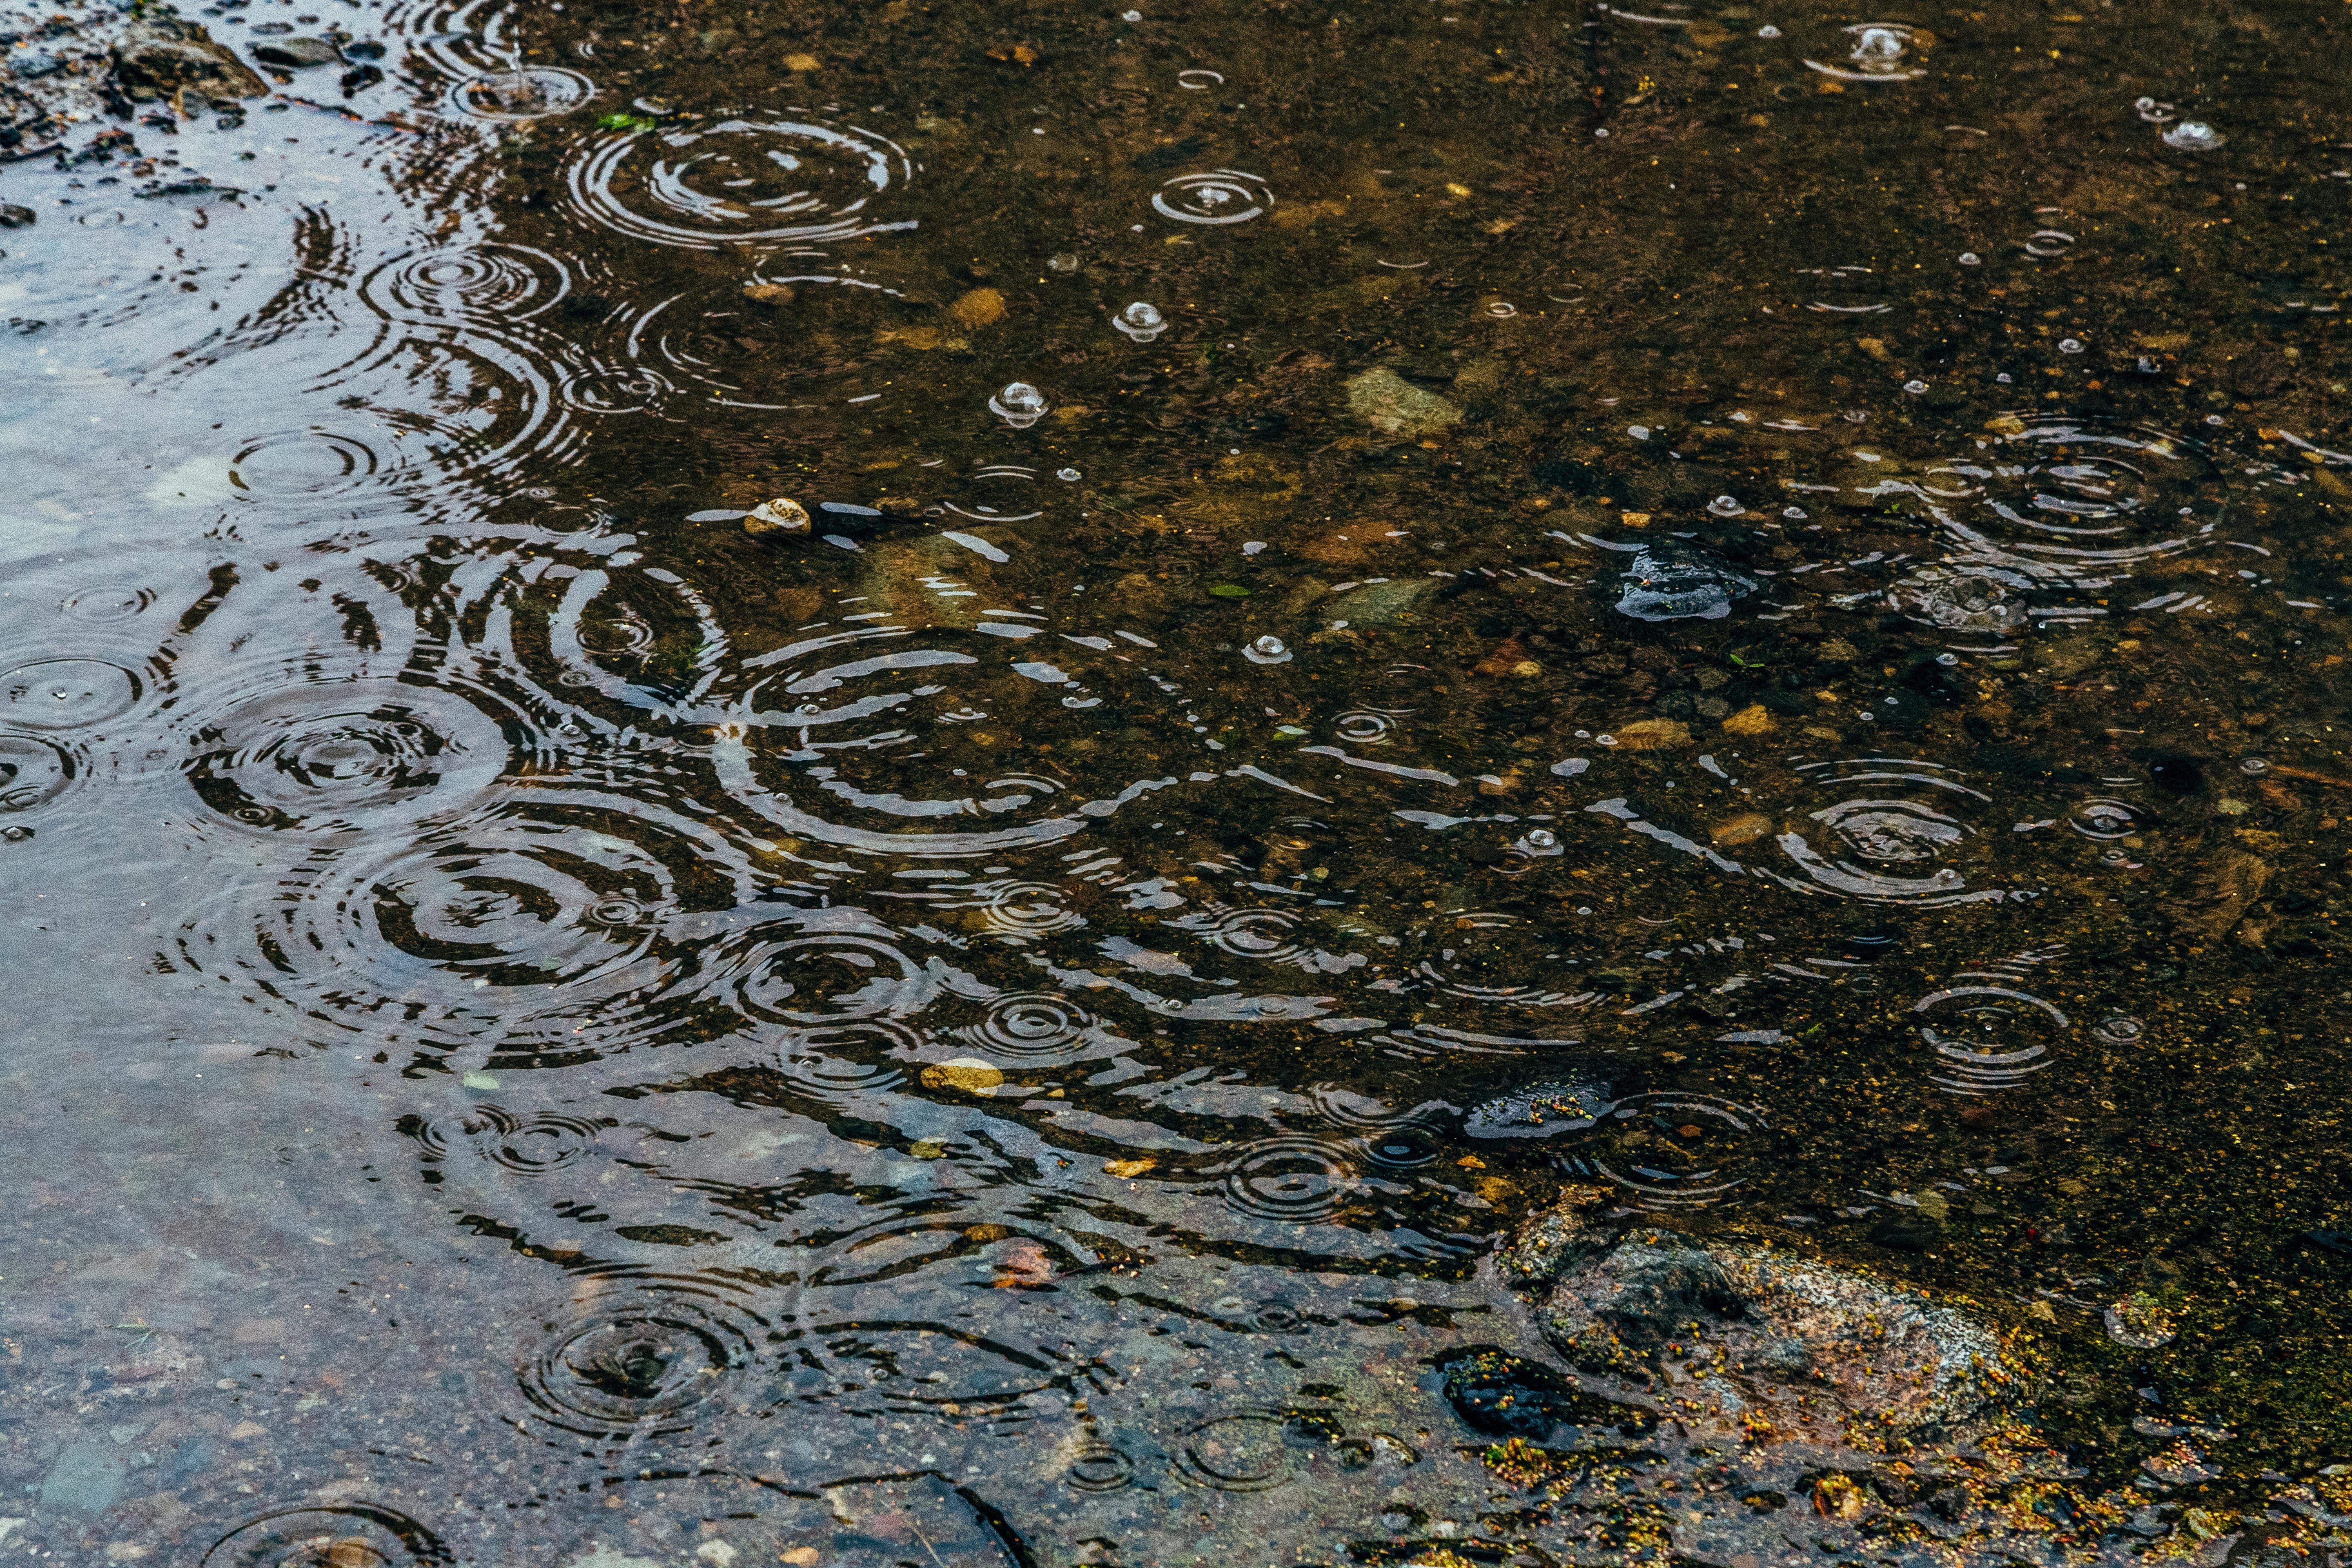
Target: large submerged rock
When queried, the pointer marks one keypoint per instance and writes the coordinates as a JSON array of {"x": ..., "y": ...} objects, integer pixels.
[{"x": 1749, "y": 1339}]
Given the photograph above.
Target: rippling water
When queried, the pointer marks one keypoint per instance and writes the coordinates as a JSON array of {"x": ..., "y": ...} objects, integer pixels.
[{"x": 1367, "y": 615}]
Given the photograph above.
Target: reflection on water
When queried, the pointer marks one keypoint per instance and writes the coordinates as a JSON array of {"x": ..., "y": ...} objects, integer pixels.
[{"x": 785, "y": 789}]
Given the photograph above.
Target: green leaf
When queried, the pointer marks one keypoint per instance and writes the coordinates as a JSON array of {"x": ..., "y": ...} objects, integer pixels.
[
  {"x": 1230, "y": 590},
  {"x": 624, "y": 123}
]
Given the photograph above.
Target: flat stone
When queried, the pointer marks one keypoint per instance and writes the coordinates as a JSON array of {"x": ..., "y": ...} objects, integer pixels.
[
  {"x": 84, "y": 1480},
  {"x": 1388, "y": 402},
  {"x": 1800, "y": 1349}
]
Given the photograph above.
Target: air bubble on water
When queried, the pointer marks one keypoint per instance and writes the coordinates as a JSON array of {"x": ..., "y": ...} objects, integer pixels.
[
  {"x": 1915, "y": 387},
  {"x": 1602, "y": 131},
  {"x": 1542, "y": 838},
  {"x": 2193, "y": 136},
  {"x": 1063, "y": 262},
  {"x": 1604, "y": 739},
  {"x": 16, "y": 833},
  {"x": 2002, "y": 378},
  {"x": 1768, "y": 31},
  {"x": 1130, "y": 15},
  {"x": 1020, "y": 405},
  {"x": 1948, "y": 658},
  {"x": 1251, "y": 547},
  {"x": 1795, "y": 513},
  {"x": 1970, "y": 258},
  {"x": 1067, "y": 475},
  {"x": 2255, "y": 765},
  {"x": 1268, "y": 649},
  {"x": 1856, "y": 415},
  {"x": 2070, "y": 346},
  {"x": 2212, "y": 419},
  {"x": 1140, "y": 322},
  {"x": 2120, "y": 1029},
  {"x": 1501, "y": 310},
  {"x": 1726, "y": 506}
]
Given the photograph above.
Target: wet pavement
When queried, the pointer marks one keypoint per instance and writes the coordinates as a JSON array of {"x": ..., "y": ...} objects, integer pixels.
[{"x": 870, "y": 786}]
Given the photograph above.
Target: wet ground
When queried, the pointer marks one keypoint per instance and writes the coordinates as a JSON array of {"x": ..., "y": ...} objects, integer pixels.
[{"x": 868, "y": 785}]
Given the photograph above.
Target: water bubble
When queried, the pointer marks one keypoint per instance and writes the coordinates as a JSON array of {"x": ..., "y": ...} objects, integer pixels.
[
  {"x": 1878, "y": 54},
  {"x": 1542, "y": 837},
  {"x": 1668, "y": 582},
  {"x": 1130, "y": 15},
  {"x": 1915, "y": 387},
  {"x": 1965, "y": 598},
  {"x": 1795, "y": 513},
  {"x": 1266, "y": 649},
  {"x": 2154, "y": 113},
  {"x": 1199, "y": 80},
  {"x": 2212, "y": 419},
  {"x": 1067, "y": 475},
  {"x": 1020, "y": 405},
  {"x": 1948, "y": 659},
  {"x": 2255, "y": 765},
  {"x": 1062, "y": 261},
  {"x": 1501, "y": 310},
  {"x": 1217, "y": 197},
  {"x": 1726, "y": 506},
  {"x": 2193, "y": 136},
  {"x": 2070, "y": 346},
  {"x": 1140, "y": 322},
  {"x": 1970, "y": 258},
  {"x": 16, "y": 833},
  {"x": 1768, "y": 31}
]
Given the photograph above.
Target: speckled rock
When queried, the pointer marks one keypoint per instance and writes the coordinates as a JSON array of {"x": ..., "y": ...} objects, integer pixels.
[{"x": 1770, "y": 1343}]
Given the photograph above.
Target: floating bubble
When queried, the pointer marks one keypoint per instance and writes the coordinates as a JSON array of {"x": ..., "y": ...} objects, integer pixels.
[
  {"x": 526, "y": 93},
  {"x": 1880, "y": 52},
  {"x": 1970, "y": 258},
  {"x": 1795, "y": 513},
  {"x": 1987, "y": 1037},
  {"x": 739, "y": 180},
  {"x": 1216, "y": 198},
  {"x": 67, "y": 693},
  {"x": 2193, "y": 136},
  {"x": 1141, "y": 321},
  {"x": 1915, "y": 387},
  {"x": 2070, "y": 346},
  {"x": 1542, "y": 838},
  {"x": 2255, "y": 766},
  {"x": 1726, "y": 506},
  {"x": 1768, "y": 31},
  {"x": 1266, "y": 649},
  {"x": 1671, "y": 583},
  {"x": 1501, "y": 310},
  {"x": 1199, "y": 80},
  {"x": 2119, "y": 1029},
  {"x": 2046, "y": 243},
  {"x": 1063, "y": 262},
  {"x": 1020, "y": 405}
]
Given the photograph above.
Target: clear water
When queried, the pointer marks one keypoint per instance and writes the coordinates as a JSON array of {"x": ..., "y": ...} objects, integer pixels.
[{"x": 1781, "y": 569}]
